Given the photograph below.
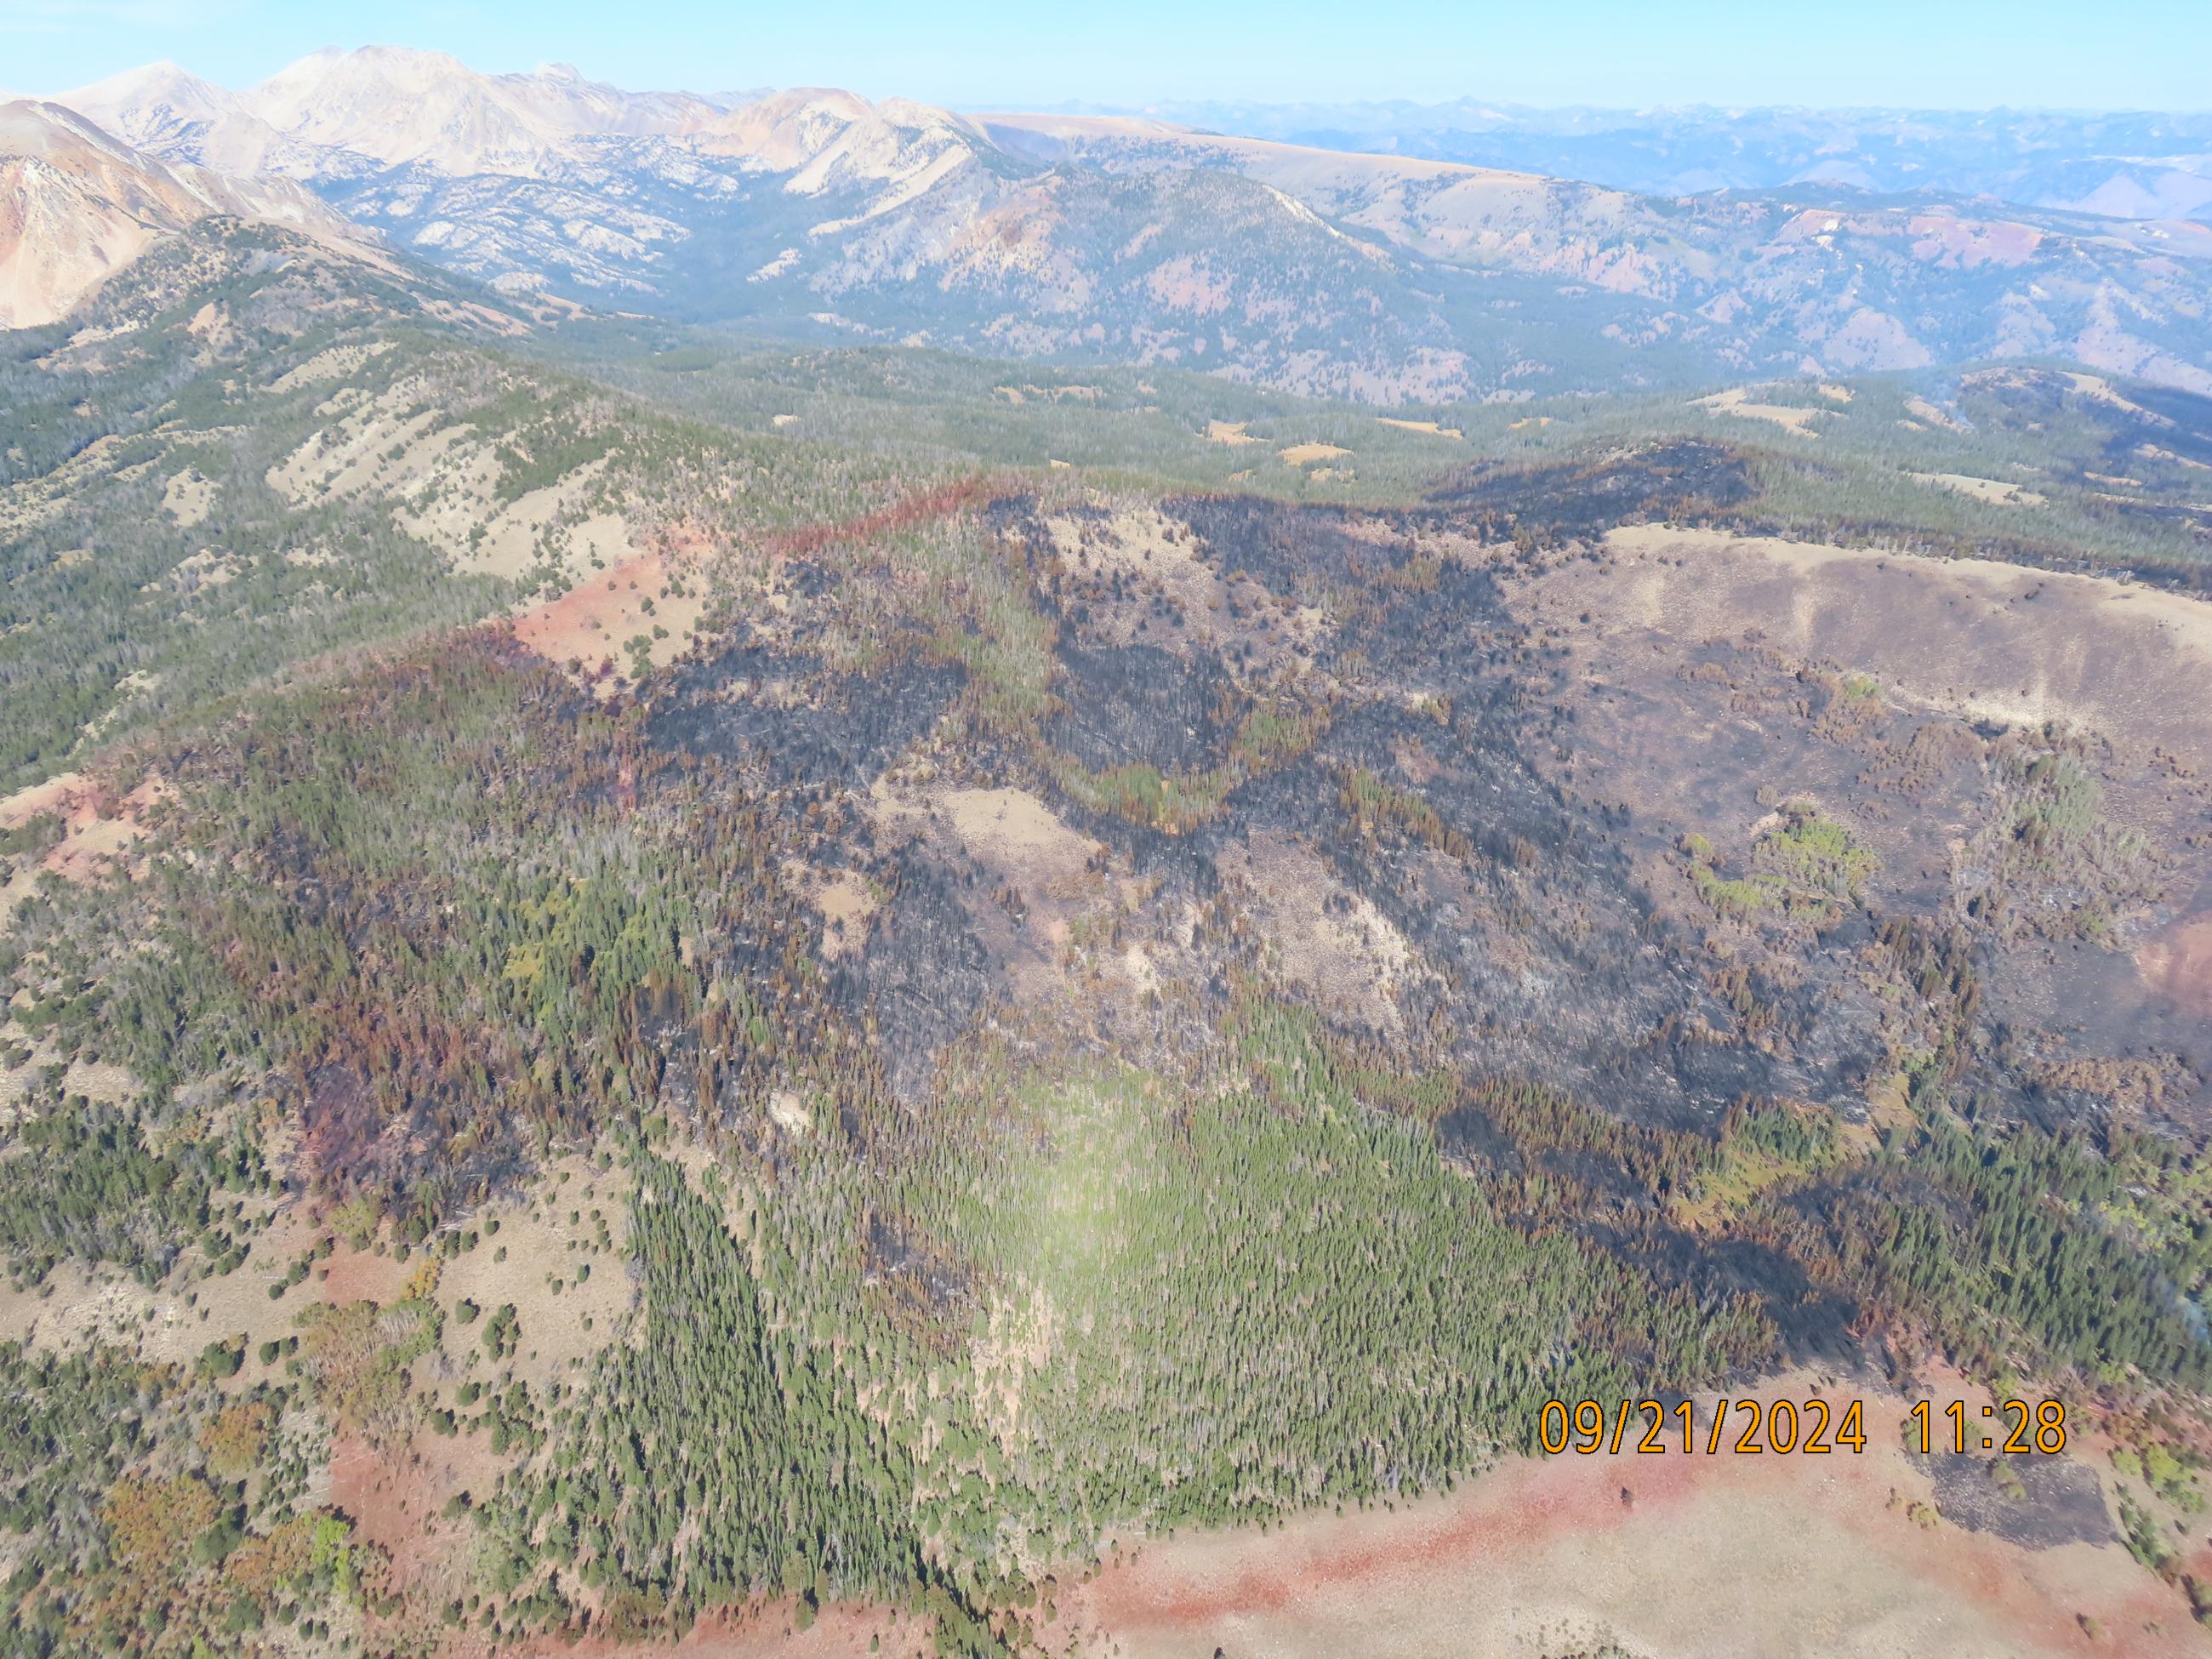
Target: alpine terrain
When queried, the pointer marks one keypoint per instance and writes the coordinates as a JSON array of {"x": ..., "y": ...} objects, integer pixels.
[{"x": 790, "y": 873}]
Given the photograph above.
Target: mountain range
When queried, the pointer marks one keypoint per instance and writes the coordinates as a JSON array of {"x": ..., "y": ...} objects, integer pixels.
[
  {"x": 2126, "y": 164},
  {"x": 76, "y": 205},
  {"x": 1388, "y": 278}
]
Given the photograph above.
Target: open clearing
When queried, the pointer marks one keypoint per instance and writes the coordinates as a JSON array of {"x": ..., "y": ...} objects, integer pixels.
[
  {"x": 167, "y": 1326},
  {"x": 1995, "y": 491},
  {"x": 1923, "y": 410},
  {"x": 1737, "y": 401},
  {"x": 188, "y": 498},
  {"x": 549, "y": 1237}
]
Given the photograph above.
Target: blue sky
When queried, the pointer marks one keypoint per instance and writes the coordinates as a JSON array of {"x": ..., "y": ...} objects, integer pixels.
[{"x": 982, "y": 53}]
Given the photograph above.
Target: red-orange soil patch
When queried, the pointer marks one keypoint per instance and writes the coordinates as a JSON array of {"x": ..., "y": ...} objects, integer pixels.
[
  {"x": 391, "y": 1499},
  {"x": 101, "y": 824},
  {"x": 592, "y": 622},
  {"x": 54, "y": 796},
  {"x": 352, "y": 1275},
  {"x": 395, "y": 1497}
]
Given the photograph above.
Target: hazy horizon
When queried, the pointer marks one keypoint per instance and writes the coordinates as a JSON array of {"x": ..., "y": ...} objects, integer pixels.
[{"x": 2143, "y": 58}]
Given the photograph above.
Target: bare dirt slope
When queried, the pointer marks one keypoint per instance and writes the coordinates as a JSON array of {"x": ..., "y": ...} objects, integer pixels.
[
  {"x": 1660, "y": 1557},
  {"x": 1993, "y": 639}
]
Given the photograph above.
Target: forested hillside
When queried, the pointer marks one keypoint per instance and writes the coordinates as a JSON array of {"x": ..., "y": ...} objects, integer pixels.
[{"x": 659, "y": 981}]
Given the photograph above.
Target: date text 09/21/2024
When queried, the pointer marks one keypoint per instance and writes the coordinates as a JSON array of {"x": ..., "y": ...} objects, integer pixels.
[{"x": 1811, "y": 1427}]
